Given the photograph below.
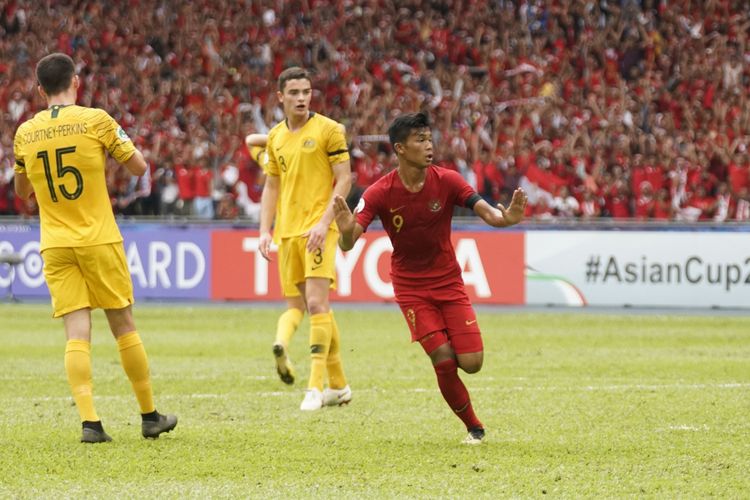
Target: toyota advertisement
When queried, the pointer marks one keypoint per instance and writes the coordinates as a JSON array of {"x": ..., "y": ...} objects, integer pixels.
[{"x": 513, "y": 267}]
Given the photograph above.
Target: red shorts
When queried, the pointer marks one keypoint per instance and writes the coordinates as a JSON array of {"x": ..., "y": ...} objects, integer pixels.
[{"x": 446, "y": 309}]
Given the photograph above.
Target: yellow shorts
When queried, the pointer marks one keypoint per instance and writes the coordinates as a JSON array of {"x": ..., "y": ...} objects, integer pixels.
[
  {"x": 87, "y": 277},
  {"x": 297, "y": 264}
]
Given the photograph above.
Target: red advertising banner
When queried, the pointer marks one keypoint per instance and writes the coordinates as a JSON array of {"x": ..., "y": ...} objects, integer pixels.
[{"x": 492, "y": 264}]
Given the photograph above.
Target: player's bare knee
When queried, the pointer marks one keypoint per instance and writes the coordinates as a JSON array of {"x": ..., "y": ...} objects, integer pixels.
[
  {"x": 471, "y": 362},
  {"x": 471, "y": 367},
  {"x": 317, "y": 307}
]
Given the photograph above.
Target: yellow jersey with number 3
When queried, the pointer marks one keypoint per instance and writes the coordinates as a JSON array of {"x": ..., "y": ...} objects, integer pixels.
[
  {"x": 303, "y": 159},
  {"x": 62, "y": 152}
]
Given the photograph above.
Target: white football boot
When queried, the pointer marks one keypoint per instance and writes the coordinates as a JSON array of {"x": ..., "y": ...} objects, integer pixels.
[
  {"x": 337, "y": 397},
  {"x": 313, "y": 400}
]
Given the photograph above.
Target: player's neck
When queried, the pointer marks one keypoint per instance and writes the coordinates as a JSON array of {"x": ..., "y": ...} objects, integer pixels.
[
  {"x": 62, "y": 99},
  {"x": 296, "y": 122},
  {"x": 412, "y": 177}
]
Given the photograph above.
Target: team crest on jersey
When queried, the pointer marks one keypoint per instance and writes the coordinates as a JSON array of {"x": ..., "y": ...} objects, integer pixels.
[
  {"x": 122, "y": 135},
  {"x": 308, "y": 144},
  {"x": 434, "y": 206},
  {"x": 412, "y": 317}
]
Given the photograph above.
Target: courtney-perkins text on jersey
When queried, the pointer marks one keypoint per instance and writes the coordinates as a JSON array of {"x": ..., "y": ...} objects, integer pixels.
[{"x": 48, "y": 133}]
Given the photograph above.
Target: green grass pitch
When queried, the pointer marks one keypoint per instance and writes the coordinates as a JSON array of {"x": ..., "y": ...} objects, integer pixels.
[{"x": 575, "y": 405}]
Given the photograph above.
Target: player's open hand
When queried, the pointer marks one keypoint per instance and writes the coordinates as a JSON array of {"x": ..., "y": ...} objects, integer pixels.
[
  {"x": 342, "y": 215},
  {"x": 316, "y": 237},
  {"x": 514, "y": 213},
  {"x": 264, "y": 245}
]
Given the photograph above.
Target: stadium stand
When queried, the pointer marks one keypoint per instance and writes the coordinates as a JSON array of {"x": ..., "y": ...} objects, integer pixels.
[{"x": 622, "y": 109}]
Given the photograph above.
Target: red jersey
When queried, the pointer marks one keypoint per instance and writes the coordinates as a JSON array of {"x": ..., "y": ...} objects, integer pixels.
[
  {"x": 185, "y": 181},
  {"x": 202, "y": 179},
  {"x": 419, "y": 226}
]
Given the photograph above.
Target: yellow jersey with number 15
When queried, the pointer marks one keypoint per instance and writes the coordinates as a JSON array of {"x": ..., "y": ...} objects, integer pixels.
[
  {"x": 62, "y": 152},
  {"x": 303, "y": 159}
]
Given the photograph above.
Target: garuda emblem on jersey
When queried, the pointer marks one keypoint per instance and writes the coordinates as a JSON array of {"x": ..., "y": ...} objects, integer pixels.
[{"x": 434, "y": 205}]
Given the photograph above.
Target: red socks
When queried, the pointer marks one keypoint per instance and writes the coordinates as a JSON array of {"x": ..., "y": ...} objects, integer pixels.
[{"x": 455, "y": 393}]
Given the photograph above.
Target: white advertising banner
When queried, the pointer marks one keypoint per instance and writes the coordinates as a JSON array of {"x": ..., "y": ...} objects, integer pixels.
[{"x": 638, "y": 268}]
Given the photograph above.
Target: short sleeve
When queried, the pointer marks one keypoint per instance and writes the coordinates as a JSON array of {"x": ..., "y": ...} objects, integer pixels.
[
  {"x": 113, "y": 137},
  {"x": 462, "y": 190},
  {"x": 336, "y": 148},
  {"x": 367, "y": 208},
  {"x": 271, "y": 167},
  {"x": 260, "y": 156},
  {"x": 20, "y": 165}
]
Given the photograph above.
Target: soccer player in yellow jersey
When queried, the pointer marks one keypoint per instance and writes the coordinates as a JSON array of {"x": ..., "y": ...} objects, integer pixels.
[
  {"x": 295, "y": 306},
  {"x": 308, "y": 162},
  {"x": 60, "y": 157}
]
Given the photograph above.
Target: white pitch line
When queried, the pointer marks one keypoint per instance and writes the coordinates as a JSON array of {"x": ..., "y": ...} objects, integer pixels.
[
  {"x": 587, "y": 388},
  {"x": 691, "y": 428}
]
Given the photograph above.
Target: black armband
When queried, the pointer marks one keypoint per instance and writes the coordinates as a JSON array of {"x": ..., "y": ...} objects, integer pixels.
[{"x": 472, "y": 200}]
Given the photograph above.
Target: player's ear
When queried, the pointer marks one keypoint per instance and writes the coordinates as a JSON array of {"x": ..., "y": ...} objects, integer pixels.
[
  {"x": 41, "y": 92},
  {"x": 280, "y": 95},
  {"x": 76, "y": 82},
  {"x": 399, "y": 148}
]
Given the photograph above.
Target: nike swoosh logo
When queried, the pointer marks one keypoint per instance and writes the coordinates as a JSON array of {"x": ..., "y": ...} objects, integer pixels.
[
  {"x": 396, "y": 209},
  {"x": 470, "y": 322},
  {"x": 316, "y": 267}
]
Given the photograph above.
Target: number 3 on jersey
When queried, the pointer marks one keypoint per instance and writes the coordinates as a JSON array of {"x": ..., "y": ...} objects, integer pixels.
[{"x": 62, "y": 170}]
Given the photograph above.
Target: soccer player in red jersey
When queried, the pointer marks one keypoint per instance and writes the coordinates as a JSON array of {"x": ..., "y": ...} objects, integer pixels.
[{"x": 415, "y": 204}]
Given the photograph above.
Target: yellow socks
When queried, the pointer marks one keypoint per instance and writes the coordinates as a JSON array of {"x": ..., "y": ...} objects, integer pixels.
[
  {"x": 336, "y": 377},
  {"x": 135, "y": 364},
  {"x": 287, "y": 325},
  {"x": 78, "y": 370},
  {"x": 320, "y": 341}
]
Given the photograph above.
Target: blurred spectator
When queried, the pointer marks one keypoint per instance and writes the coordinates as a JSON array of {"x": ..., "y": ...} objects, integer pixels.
[
  {"x": 170, "y": 192},
  {"x": 6, "y": 187},
  {"x": 204, "y": 203},
  {"x": 238, "y": 191},
  {"x": 590, "y": 206},
  {"x": 565, "y": 204},
  {"x": 227, "y": 209},
  {"x": 185, "y": 176},
  {"x": 17, "y": 106},
  {"x": 662, "y": 207}
]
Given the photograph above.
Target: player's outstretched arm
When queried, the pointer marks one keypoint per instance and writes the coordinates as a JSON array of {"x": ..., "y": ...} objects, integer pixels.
[
  {"x": 256, "y": 140},
  {"x": 500, "y": 216},
  {"x": 136, "y": 164},
  {"x": 347, "y": 223}
]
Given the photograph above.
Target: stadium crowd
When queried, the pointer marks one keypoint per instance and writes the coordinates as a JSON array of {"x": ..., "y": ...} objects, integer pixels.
[{"x": 608, "y": 108}]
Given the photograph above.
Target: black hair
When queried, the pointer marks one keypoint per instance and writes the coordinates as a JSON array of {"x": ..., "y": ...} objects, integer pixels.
[
  {"x": 54, "y": 72},
  {"x": 293, "y": 73},
  {"x": 403, "y": 125}
]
